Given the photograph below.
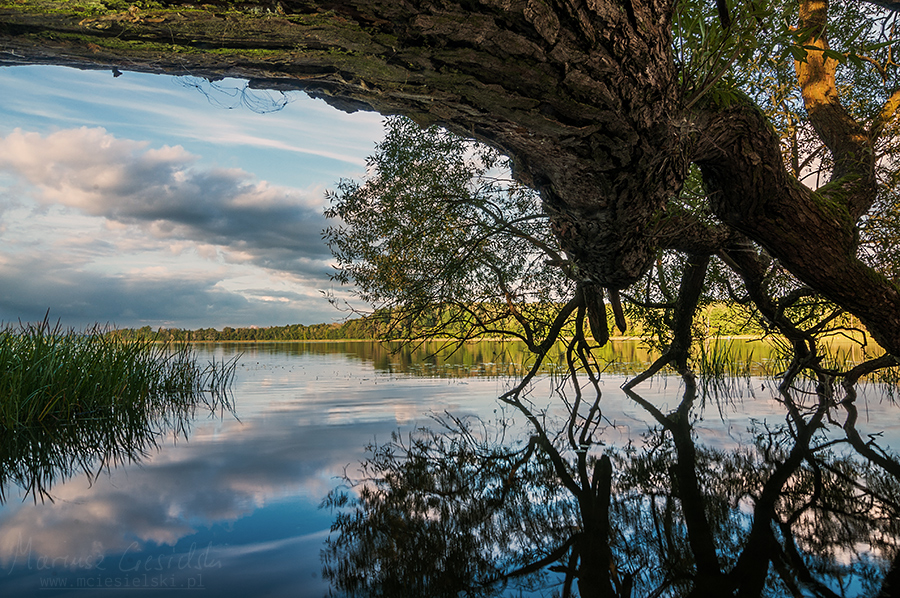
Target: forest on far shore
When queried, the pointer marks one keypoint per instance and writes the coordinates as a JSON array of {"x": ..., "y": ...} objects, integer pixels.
[
  {"x": 353, "y": 329},
  {"x": 717, "y": 319}
]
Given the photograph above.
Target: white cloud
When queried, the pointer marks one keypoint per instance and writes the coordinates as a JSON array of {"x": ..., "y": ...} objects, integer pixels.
[
  {"x": 194, "y": 109},
  {"x": 109, "y": 180},
  {"x": 174, "y": 295},
  {"x": 114, "y": 230},
  {"x": 163, "y": 191}
]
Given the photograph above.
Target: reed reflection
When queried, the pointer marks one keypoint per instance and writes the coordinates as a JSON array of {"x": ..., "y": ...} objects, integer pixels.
[{"x": 35, "y": 458}]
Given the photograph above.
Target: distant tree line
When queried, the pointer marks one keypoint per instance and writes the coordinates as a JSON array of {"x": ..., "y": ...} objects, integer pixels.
[
  {"x": 357, "y": 329},
  {"x": 718, "y": 319}
]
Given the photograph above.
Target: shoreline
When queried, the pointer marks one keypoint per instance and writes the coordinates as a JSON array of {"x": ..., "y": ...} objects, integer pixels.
[{"x": 619, "y": 338}]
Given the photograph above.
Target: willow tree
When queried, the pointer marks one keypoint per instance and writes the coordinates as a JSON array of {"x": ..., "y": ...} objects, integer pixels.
[{"x": 605, "y": 106}]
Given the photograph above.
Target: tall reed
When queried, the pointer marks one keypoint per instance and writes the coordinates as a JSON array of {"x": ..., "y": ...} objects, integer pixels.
[{"x": 49, "y": 375}]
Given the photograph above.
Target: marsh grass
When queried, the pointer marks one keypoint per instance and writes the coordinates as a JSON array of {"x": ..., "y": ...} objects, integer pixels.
[
  {"x": 50, "y": 376},
  {"x": 722, "y": 359},
  {"x": 889, "y": 379},
  {"x": 89, "y": 401}
]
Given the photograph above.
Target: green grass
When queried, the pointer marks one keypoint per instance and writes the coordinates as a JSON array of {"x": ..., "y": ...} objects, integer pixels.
[
  {"x": 87, "y": 402},
  {"x": 50, "y": 376}
]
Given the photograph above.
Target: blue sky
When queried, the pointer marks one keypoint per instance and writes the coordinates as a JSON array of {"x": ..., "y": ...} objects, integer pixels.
[{"x": 165, "y": 201}]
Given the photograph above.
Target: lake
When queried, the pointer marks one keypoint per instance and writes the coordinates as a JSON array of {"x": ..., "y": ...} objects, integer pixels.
[{"x": 229, "y": 501}]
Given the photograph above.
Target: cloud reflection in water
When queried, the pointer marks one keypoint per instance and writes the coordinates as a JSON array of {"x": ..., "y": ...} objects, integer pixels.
[
  {"x": 246, "y": 489},
  {"x": 235, "y": 506}
]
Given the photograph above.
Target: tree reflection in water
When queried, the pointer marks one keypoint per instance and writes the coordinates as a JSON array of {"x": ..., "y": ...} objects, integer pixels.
[{"x": 811, "y": 508}]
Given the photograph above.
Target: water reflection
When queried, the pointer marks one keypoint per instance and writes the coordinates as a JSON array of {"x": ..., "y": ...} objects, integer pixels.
[
  {"x": 34, "y": 458},
  {"x": 431, "y": 359},
  {"x": 234, "y": 506},
  {"x": 727, "y": 357},
  {"x": 806, "y": 508}
]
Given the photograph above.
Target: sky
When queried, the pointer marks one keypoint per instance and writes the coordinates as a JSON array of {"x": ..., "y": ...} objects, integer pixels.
[{"x": 151, "y": 200}]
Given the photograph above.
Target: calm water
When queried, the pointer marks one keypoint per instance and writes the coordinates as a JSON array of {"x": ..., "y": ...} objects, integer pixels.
[{"x": 231, "y": 505}]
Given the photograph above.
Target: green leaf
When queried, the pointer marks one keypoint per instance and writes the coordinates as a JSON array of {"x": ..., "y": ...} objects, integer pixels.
[
  {"x": 834, "y": 55},
  {"x": 798, "y": 53}
]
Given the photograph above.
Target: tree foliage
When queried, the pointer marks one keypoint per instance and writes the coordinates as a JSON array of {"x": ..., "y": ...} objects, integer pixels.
[
  {"x": 610, "y": 109},
  {"x": 441, "y": 241}
]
